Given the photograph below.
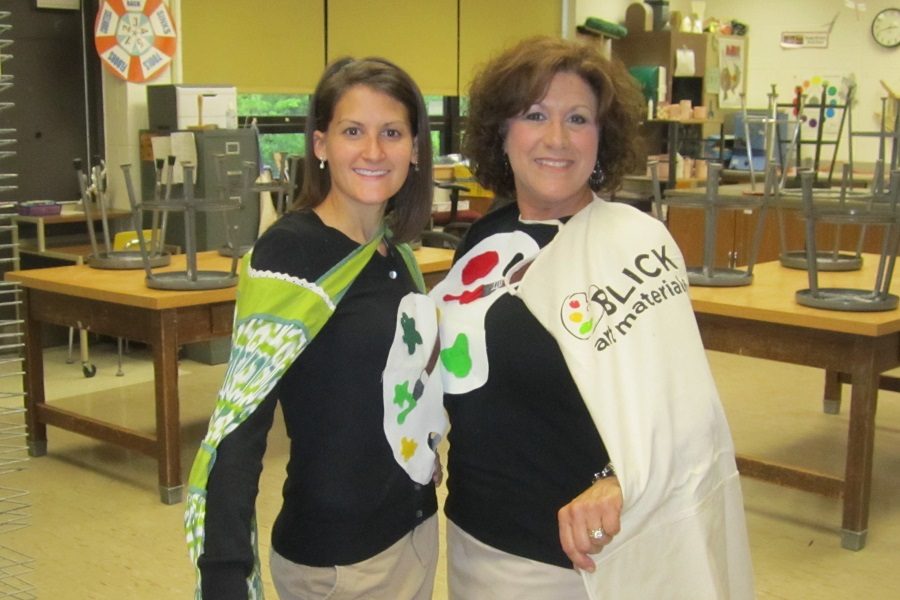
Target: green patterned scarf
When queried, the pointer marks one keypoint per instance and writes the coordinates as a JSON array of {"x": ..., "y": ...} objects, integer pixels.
[{"x": 276, "y": 317}]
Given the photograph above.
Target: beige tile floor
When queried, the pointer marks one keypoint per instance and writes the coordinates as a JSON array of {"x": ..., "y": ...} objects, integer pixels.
[{"x": 99, "y": 532}]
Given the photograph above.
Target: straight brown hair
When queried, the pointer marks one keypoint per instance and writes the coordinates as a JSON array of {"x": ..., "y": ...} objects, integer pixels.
[{"x": 409, "y": 209}]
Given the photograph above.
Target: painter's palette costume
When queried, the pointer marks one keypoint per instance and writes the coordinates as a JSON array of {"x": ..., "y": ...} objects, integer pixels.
[
  {"x": 474, "y": 283},
  {"x": 414, "y": 419}
]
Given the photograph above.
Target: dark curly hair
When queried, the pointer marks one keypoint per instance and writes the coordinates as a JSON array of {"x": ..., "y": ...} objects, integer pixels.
[
  {"x": 408, "y": 211},
  {"x": 519, "y": 77}
]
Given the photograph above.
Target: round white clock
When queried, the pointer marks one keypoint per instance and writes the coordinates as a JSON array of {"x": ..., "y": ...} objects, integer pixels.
[{"x": 886, "y": 27}]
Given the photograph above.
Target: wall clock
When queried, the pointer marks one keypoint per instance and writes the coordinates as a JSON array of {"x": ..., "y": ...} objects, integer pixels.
[
  {"x": 135, "y": 39},
  {"x": 886, "y": 27}
]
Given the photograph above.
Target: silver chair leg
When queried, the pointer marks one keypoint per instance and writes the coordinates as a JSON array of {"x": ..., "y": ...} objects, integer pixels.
[{"x": 119, "y": 371}]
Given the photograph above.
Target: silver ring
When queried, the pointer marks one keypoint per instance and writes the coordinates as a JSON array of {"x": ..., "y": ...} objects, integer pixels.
[{"x": 596, "y": 534}]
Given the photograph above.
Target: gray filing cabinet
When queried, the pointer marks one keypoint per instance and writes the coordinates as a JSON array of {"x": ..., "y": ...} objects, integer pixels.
[{"x": 238, "y": 146}]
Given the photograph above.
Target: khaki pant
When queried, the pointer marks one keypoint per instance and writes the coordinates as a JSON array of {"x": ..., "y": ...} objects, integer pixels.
[
  {"x": 405, "y": 571},
  {"x": 476, "y": 571}
]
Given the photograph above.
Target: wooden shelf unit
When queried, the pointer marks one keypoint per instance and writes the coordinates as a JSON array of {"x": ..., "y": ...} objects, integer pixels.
[{"x": 659, "y": 48}]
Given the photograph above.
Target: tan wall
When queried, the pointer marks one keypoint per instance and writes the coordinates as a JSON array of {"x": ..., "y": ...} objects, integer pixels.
[{"x": 439, "y": 42}]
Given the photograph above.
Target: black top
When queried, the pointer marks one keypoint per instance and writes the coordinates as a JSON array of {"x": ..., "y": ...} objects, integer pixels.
[
  {"x": 345, "y": 498},
  {"x": 523, "y": 445}
]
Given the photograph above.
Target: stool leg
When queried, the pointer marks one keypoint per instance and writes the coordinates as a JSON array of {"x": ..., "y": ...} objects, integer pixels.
[
  {"x": 710, "y": 220},
  {"x": 70, "y": 358},
  {"x": 119, "y": 372},
  {"x": 812, "y": 268},
  {"x": 87, "y": 368}
]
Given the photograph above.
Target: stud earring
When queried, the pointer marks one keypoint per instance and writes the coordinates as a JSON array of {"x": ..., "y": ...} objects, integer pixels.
[{"x": 321, "y": 164}]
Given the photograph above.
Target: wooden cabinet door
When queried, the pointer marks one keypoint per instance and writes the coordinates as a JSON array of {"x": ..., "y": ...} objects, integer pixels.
[{"x": 687, "y": 226}]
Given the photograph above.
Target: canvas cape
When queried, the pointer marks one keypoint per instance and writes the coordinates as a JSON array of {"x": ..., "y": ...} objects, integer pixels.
[{"x": 612, "y": 289}]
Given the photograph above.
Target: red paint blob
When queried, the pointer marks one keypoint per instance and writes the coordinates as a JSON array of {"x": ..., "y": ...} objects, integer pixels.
[{"x": 479, "y": 266}]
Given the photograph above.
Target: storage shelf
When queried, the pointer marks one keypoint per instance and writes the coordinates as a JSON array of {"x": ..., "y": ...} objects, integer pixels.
[{"x": 15, "y": 567}]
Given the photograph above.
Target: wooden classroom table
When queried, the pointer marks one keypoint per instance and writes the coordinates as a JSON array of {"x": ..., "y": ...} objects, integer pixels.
[
  {"x": 119, "y": 304},
  {"x": 762, "y": 320}
]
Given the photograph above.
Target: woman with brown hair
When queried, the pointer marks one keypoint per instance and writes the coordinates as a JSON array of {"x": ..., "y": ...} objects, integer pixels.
[
  {"x": 589, "y": 454},
  {"x": 332, "y": 325}
]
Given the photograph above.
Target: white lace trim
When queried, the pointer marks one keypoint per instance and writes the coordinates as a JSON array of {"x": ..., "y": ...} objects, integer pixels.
[{"x": 292, "y": 280}]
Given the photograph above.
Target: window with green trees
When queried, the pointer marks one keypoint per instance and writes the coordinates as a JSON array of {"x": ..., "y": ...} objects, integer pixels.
[{"x": 280, "y": 119}]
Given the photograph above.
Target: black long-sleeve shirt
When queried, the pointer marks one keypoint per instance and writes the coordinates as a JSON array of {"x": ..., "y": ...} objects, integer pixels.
[
  {"x": 523, "y": 445},
  {"x": 345, "y": 498}
]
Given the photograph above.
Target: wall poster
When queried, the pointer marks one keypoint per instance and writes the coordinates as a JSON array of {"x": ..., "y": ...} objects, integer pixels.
[
  {"x": 732, "y": 72},
  {"x": 825, "y": 98}
]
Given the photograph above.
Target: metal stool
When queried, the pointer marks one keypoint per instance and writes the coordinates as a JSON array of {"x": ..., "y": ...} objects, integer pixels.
[
  {"x": 284, "y": 187},
  {"x": 93, "y": 192},
  {"x": 877, "y": 208},
  {"x": 789, "y": 196},
  {"x": 711, "y": 202},
  {"x": 109, "y": 257},
  {"x": 191, "y": 278},
  {"x": 834, "y": 259}
]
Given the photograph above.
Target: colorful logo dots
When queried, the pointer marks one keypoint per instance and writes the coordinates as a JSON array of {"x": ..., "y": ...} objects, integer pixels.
[{"x": 576, "y": 316}]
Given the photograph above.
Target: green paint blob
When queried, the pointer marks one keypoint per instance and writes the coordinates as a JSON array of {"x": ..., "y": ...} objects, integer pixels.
[
  {"x": 586, "y": 327},
  {"x": 411, "y": 336},
  {"x": 404, "y": 399},
  {"x": 456, "y": 358}
]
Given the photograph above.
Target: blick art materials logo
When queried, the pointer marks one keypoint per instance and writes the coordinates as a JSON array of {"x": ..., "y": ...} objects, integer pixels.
[{"x": 608, "y": 310}]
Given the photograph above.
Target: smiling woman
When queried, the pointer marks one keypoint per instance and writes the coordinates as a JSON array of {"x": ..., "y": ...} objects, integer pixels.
[
  {"x": 368, "y": 149},
  {"x": 362, "y": 79},
  {"x": 562, "y": 481},
  {"x": 552, "y": 149},
  {"x": 326, "y": 272}
]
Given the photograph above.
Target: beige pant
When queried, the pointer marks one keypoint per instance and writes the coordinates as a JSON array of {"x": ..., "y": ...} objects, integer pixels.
[
  {"x": 405, "y": 571},
  {"x": 476, "y": 571}
]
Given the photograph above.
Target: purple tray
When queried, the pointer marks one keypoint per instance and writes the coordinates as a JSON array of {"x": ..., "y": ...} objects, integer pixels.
[{"x": 41, "y": 209}]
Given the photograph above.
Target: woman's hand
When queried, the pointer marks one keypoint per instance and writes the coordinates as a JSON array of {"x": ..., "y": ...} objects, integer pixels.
[{"x": 597, "y": 508}]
